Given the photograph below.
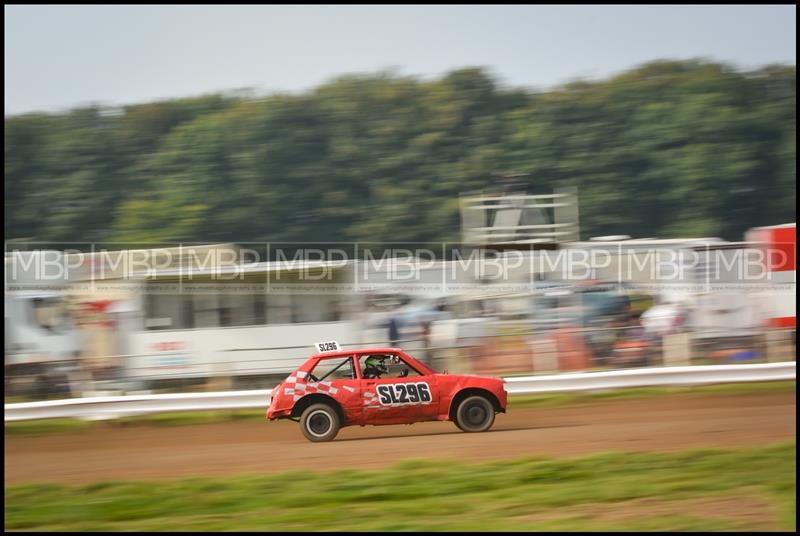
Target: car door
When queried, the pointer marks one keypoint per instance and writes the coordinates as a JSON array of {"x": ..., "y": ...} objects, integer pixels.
[{"x": 394, "y": 399}]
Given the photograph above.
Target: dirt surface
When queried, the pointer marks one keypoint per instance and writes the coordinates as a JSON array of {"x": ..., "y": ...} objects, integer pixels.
[{"x": 139, "y": 452}]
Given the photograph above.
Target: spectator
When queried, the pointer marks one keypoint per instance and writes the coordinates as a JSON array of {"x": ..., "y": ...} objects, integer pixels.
[
  {"x": 426, "y": 340},
  {"x": 394, "y": 332}
]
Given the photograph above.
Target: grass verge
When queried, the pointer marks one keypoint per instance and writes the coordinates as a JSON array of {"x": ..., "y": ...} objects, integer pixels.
[
  {"x": 48, "y": 426},
  {"x": 729, "y": 389},
  {"x": 710, "y": 489}
]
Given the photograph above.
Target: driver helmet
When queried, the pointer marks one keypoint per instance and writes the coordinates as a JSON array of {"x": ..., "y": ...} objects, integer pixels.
[{"x": 376, "y": 364}]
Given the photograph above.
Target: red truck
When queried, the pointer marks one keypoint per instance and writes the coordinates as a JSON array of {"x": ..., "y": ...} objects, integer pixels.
[{"x": 336, "y": 388}]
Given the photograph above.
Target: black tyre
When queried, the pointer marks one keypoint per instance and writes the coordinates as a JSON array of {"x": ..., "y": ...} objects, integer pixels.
[
  {"x": 475, "y": 414},
  {"x": 320, "y": 422}
]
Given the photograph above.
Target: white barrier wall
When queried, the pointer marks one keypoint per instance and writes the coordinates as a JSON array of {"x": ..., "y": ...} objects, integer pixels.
[
  {"x": 111, "y": 407},
  {"x": 249, "y": 350}
]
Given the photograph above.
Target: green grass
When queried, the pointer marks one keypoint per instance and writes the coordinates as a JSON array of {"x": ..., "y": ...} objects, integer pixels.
[
  {"x": 710, "y": 489},
  {"x": 45, "y": 426},
  {"x": 184, "y": 418},
  {"x": 730, "y": 389},
  {"x": 194, "y": 417},
  {"x": 48, "y": 426}
]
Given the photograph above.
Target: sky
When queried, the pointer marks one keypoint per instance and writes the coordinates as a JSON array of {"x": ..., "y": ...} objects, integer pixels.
[{"x": 57, "y": 57}]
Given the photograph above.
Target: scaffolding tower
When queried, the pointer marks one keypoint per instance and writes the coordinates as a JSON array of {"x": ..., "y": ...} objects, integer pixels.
[{"x": 516, "y": 218}]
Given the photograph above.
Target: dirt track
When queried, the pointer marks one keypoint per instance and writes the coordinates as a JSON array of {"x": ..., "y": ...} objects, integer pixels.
[{"x": 111, "y": 452}]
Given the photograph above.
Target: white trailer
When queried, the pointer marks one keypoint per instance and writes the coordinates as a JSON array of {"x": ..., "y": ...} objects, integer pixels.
[{"x": 42, "y": 342}]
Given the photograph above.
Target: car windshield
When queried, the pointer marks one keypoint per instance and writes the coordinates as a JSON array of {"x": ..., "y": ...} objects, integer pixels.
[{"x": 423, "y": 368}]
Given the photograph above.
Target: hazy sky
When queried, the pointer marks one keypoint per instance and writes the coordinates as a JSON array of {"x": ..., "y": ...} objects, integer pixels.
[{"x": 61, "y": 56}]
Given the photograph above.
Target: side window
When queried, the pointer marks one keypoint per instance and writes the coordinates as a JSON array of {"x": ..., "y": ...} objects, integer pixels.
[
  {"x": 50, "y": 313},
  {"x": 383, "y": 366},
  {"x": 336, "y": 368}
]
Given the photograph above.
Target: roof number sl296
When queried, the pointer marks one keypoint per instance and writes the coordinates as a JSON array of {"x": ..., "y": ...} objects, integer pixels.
[{"x": 330, "y": 346}]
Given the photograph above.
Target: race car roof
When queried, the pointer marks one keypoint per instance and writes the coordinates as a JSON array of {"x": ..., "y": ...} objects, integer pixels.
[{"x": 343, "y": 353}]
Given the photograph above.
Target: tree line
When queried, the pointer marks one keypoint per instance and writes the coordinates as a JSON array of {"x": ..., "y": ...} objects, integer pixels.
[{"x": 666, "y": 149}]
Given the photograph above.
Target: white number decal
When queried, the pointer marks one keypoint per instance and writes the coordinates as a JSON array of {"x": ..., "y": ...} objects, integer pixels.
[
  {"x": 331, "y": 346},
  {"x": 399, "y": 394}
]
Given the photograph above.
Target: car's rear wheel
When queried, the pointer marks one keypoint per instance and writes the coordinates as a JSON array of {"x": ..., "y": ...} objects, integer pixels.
[
  {"x": 475, "y": 414},
  {"x": 320, "y": 422}
]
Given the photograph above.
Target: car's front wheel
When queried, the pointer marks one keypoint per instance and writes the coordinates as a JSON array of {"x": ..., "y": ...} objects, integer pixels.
[
  {"x": 320, "y": 422},
  {"x": 475, "y": 414}
]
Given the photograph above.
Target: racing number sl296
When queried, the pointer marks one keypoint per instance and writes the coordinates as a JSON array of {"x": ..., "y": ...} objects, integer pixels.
[
  {"x": 328, "y": 346},
  {"x": 398, "y": 394}
]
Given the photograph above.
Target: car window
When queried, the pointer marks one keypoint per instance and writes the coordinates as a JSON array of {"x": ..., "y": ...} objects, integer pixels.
[
  {"x": 333, "y": 369},
  {"x": 388, "y": 366},
  {"x": 50, "y": 313}
]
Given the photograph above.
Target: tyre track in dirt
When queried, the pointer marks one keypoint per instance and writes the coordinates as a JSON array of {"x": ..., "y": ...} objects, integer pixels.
[{"x": 144, "y": 452}]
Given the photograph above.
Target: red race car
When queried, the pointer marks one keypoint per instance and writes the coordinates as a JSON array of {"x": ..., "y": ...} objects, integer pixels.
[{"x": 336, "y": 388}]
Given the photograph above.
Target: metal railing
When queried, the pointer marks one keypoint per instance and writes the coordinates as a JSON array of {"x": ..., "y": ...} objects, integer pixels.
[{"x": 100, "y": 408}]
